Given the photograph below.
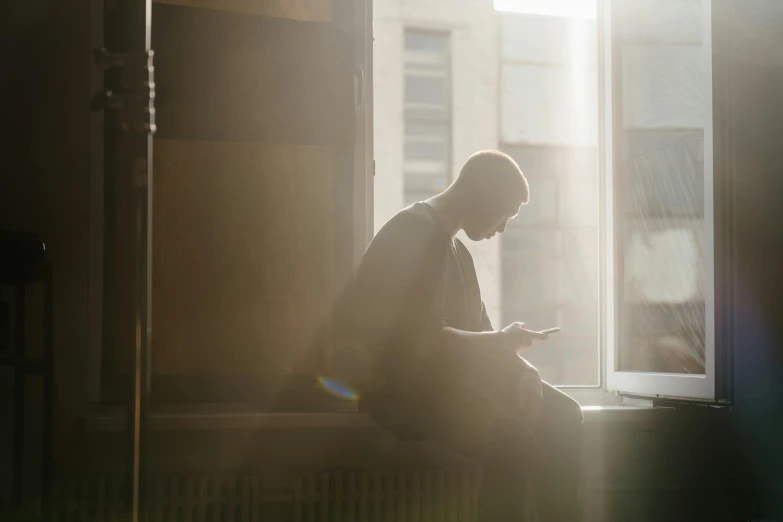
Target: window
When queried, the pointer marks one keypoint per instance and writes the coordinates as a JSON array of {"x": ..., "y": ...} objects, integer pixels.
[
  {"x": 660, "y": 237},
  {"x": 647, "y": 220},
  {"x": 610, "y": 114},
  {"x": 427, "y": 124}
]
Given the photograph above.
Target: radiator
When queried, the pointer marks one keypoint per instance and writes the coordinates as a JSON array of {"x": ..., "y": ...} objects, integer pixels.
[{"x": 382, "y": 496}]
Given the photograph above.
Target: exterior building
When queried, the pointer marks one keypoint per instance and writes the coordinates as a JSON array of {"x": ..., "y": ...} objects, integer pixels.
[{"x": 452, "y": 77}]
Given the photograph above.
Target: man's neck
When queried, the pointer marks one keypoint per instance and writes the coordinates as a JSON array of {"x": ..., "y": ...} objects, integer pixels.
[{"x": 445, "y": 208}]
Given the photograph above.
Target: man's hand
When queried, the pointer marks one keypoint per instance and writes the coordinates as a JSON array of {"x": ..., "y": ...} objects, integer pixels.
[
  {"x": 530, "y": 391},
  {"x": 517, "y": 337}
]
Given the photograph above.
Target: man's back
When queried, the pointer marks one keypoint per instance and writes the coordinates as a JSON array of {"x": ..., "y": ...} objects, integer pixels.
[{"x": 413, "y": 281}]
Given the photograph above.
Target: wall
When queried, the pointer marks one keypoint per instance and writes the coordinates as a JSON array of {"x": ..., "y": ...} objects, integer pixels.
[
  {"x": 44, "y": 186},
  {"x": 757, "y": 80}
]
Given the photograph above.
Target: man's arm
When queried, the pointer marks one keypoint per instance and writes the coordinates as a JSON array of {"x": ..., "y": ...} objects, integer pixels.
[
  {"x": 509, "y": 340},
  {"x": 446, "y": 341},
  {"x": 486, "y": 326}
]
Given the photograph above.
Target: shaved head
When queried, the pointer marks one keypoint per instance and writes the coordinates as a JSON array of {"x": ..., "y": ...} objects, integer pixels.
[{"x": 494, "y": 177}]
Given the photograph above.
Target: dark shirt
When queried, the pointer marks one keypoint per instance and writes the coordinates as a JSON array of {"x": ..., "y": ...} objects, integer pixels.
[{"x": 414, "y": 280}]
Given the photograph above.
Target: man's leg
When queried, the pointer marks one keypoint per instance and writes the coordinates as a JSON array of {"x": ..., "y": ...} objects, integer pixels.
[
  {"x": 506, "y": 453},
  {"x": 558, "y": 466}
]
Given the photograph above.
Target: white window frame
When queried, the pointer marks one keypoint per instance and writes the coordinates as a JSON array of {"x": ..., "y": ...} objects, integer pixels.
[{"x": 648, "y": 384}]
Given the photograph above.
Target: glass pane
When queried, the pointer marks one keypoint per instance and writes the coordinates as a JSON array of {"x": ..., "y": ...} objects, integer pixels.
[
  {"x": 426, "y": 149},
  {"x": 660, "y": 180},
  {"x": 427, "y": 41},
  {"x": 425, "y": 90},
  {"x": 665, "y": 174},
  {"x": 431, "y": 130}
]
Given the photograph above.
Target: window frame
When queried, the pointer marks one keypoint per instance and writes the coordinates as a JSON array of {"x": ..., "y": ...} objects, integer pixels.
[{"x": 712, "y": 386}]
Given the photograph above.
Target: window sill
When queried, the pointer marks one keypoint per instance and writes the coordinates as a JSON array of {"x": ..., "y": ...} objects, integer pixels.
[
  {"x": 627, "y": 415},
  {"x": 245, "y": 419}
]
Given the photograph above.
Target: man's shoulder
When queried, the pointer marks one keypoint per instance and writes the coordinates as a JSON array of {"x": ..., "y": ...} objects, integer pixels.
[
  {"x": 408, "y": 225},
  {"x": 417, "y": 214},
  {"x": 409, "y": 242}
]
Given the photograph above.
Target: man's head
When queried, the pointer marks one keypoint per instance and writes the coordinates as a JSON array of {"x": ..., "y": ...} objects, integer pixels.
[{"x": 490, "y": 188}]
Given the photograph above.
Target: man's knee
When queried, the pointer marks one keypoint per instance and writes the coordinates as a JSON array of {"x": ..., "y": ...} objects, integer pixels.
[
  {"x": 572, "y": 411},
  {"x": 561, "y": 409}
]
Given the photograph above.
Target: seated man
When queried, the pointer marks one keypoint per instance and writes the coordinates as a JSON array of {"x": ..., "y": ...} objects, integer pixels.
[{"x": 412, "y": 338}]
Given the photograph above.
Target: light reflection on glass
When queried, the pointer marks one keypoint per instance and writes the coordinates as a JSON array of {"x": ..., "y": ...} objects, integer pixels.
[{"x": 660, "y": 180}]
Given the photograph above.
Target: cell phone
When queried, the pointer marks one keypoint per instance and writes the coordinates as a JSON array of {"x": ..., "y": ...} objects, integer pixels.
[{"x": 550, "y": 330}]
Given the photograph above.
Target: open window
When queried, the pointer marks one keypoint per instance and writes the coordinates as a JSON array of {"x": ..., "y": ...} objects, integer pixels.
[
  {"x": 665, "y": 250},
  {"x": 630, "y": 194}
]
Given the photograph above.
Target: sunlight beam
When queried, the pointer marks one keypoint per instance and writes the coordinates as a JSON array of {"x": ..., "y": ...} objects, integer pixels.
[{"x": 564, "y": 8}]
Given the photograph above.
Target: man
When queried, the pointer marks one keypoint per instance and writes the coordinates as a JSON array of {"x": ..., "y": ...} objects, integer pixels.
[{"x": 412, "y": 338}]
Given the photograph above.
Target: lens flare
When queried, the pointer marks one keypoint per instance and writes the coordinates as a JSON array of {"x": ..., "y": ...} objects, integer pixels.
[{"x": 337, "y": 388}]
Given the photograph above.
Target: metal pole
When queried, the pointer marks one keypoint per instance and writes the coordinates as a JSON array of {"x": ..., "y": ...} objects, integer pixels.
[
  {"x": 47, "y": 456},
  {"x": 20, "y": 379},
  {"x": 141, "y": 151}
]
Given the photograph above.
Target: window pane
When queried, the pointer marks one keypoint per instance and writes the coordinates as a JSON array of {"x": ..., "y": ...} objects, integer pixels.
[
  {"x": 660, "y": 180},
  {"x": 425, "y": 90},
  {"x": 664, "y": 172},
  {"x": 427, "y": 145},
  {"x": 431, "y": 130},
  {"x": 426, "y": 41},
  {"x": 427, "y": 149}
]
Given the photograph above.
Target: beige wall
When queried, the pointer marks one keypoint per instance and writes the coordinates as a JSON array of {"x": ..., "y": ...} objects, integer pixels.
[{"x": 474, "y": 65}]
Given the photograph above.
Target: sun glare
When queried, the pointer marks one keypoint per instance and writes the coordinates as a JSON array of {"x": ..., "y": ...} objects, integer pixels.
[{"x": 565, "y": 8}]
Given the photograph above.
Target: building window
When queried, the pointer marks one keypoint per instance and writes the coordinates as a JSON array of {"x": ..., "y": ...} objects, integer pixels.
[{"x": 427, "y": 155}]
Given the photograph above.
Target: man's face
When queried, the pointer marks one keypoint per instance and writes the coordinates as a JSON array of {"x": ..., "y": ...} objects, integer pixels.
[{"x": 485, "y": 223}]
